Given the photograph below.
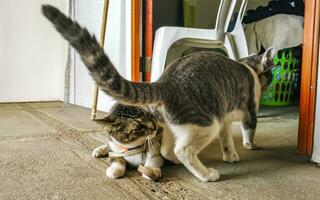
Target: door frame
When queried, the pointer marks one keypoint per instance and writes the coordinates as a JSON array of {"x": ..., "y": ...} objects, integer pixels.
[
  {"x": 308, "y": 76},
  {"x": 135, "y": 40},
  {"x": 316, "y": 138}
]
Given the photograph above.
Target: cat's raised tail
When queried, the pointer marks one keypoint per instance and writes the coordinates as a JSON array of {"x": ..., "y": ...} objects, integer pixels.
[{"x": 98, "y": 63}]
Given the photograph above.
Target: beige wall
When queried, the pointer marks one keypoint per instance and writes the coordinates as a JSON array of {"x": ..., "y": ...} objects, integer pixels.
[{"x": 32, "y": 54}]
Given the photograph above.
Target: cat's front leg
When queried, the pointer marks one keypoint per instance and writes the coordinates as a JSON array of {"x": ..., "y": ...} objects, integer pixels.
[
  {"x": 153, "y": 162},
  {"x": 152, "y": 167},
  {"x": 248, "y": 138},
  {"x": 248, "y": 130},
  {"x": 167, "y": 145},
  {"x": 117, "y": 168},
  {"x": 101, "y": 151},
  {"x": 227, "y": 145}
]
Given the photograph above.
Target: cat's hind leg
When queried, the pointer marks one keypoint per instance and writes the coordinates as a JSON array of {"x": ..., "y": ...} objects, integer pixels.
[
  {"x": 190, "y": 140},
  {"x": 117, "y": 168},
  {"x": 227, "y": 145},
  {"x": 101, "y": 151}
]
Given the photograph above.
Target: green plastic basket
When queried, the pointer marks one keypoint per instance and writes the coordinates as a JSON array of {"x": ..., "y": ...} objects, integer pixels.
[{"x": 285, "y": 79}]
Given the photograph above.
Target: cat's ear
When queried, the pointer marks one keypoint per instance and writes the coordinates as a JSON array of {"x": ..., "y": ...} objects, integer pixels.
[
  {"x": 253, "y": 61},
  {"x": 267, "y": 59},
  {"x": 260, "y": 63}
]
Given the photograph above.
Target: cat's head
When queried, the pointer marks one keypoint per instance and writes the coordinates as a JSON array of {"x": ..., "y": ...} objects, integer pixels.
[
  {"x": 262, "y": 65},
  {"x": 128, "y": 125}
]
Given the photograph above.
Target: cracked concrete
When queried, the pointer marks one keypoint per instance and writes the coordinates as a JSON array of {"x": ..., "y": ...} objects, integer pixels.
[{"x": 46, "y": 154}]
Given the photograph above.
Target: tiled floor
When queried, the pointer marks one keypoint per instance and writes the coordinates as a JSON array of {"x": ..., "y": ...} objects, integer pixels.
[{"x": 45, "y": 154}]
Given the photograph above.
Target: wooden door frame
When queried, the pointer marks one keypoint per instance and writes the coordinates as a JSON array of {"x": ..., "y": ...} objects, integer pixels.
[
  {"x": 308, "y": 76},
  {"x": 149, "y": 37},
  {"x": 135, "y": 40},
  {"x": 136, "y": 37}
]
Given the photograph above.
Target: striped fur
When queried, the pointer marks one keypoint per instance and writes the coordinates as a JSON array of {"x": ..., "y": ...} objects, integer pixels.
[
  {"x": 98, "y": 63},
  {"x": 194, "y": 89},
  {"x": 199, "y": 95}
]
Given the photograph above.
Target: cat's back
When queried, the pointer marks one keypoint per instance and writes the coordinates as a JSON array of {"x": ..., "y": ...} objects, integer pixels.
[
  {"x": 204, "y": 65},
  {"x": 203, "y": 85}
]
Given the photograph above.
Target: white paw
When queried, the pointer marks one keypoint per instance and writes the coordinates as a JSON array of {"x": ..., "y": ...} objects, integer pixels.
[
  {"x": 146, "y": 177},
  {"x": 115, "y": 172},
  {"x": 213, "y": 175},
  {"x": 100, "y": 152},
  {"x": 231, "y": 157},
  {"x": 156, "y": 174},
  {"x": 250, "y": 146}
]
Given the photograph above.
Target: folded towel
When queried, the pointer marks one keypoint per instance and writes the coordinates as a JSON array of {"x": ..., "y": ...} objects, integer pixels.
[{"x": 281, "y": 31}]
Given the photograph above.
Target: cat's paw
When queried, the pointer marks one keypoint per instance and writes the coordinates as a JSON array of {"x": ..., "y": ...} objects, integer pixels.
[
  {"x": 213, "y": 175},
  {"x": 156, "y": 174},
  {"x": 100, "y": 152},
  {"x": 250, "y": 146},
  {"x": 150, "y": 173},
  {"x": 231, "y": 157},
  {"x": 115, "y": 171}
]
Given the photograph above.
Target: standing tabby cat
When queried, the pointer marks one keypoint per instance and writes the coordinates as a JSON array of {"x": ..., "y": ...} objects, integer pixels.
[{"x": 199, "y": 95}]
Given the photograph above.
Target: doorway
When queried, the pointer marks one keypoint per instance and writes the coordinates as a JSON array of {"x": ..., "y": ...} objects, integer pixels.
[{"x": 307, "y": 95}]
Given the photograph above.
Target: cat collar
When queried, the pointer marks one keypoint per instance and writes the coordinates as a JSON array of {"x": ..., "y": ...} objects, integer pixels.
[{"x": 148, "y": 145}]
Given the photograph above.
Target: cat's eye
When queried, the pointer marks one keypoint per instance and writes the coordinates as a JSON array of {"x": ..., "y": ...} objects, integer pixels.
[{"x": 139, "y": 128}]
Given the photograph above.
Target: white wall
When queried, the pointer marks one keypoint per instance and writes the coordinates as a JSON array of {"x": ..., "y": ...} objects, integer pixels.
[
  {"x": 117, "y": 45},
  {"x": 316, "y": 139},
  {"x": 32, "y": 54}
]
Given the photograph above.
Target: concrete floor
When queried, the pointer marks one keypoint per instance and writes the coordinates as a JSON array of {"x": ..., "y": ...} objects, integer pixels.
[{"x": 45, "y": 154}]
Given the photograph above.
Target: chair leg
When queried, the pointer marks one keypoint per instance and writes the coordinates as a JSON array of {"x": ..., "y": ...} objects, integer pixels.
[{"x": 161, "y": 47}]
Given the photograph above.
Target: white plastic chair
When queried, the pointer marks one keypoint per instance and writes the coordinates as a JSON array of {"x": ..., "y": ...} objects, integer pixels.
[
  {"x": 237, "y": 37},
  {"x": 233, "y": 43}
]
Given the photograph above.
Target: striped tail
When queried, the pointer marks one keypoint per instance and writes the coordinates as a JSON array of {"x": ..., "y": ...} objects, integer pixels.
[{"x": 98, "y": 63}]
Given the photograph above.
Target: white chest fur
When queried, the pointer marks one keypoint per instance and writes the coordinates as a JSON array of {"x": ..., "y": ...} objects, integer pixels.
[{"x": 133, "y": 160}]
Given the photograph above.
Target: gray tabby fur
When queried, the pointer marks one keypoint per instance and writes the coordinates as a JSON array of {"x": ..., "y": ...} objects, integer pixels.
[
  {"x": 128, "y": 129},
  {"x": 199, "y": 95}
]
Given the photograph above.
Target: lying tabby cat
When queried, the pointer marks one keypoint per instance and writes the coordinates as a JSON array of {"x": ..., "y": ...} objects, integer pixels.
[
  {"x": 134, "y": 137},
  {"x": 199, "y": 95}
]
